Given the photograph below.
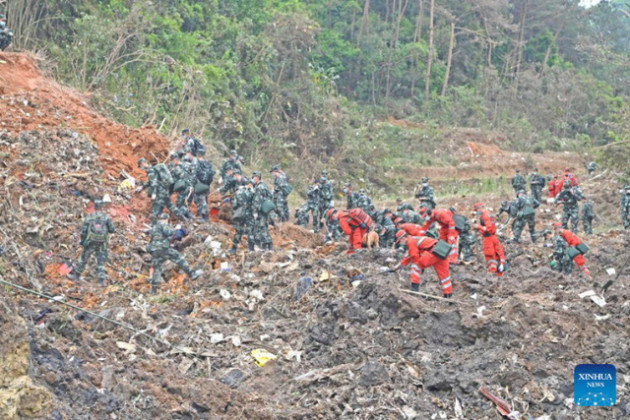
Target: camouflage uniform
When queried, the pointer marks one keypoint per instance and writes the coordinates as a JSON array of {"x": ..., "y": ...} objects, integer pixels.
[
  {"x": 466, "y": 237},
  {"x": 201, "y": 187},
  {"x": 231, "y": 164},
  {"x": 161, "y": 192},
  {"x": 426, "y": 195},
  {"x": 587, "y": 217},
  {"x": 245, "y": 224},
  {"x": 301, "y": 215},
  {"x": 181, "y": 186},
  {"x": 333, "y": 228},
  {"x": 536, "y": 183},
  {"x": 511, "y": 209},
  {"x": 95, "y": 244},
  {"x": 161, "y": 250},
  {"x": 570, "y": 198},
  {"x": 561, "y": 255},
  {"x": 518, "y": 182},
  {"x": 351, "y": 197},
  {"x": 6, "y": 35},
  {"x": 261, "y": 224},
  {"x": 592, "y": 166},
  {"x": 364, "y": 202},
  {"x": 625, "y": 208},
  {"x": 313, "y": 205},
  {"x": 526, "y": 215},
  {"x": 325, "y": 197},
  {"x": 281, "y": 188},
  {"x": 387, "y": 233}
]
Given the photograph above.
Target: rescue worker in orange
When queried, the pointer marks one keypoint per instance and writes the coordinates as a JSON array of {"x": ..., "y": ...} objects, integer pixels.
[
  {"x": 572, "y": 241},
  {"x": 570, "y": 177},
  {"x": 553, "y": 186},
  {"x": 492, "y": 249},
  {"x": 411, "y": 228},
  {"x": 444, "y": 218},
  {"x": 419, "y": 255},
  {"x": 354, "y": 223}
]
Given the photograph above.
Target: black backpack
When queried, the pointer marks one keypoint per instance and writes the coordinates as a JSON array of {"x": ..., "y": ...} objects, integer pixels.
[
  {"x": 205, "y": 172},
  {"x": 198, "y": 147}
]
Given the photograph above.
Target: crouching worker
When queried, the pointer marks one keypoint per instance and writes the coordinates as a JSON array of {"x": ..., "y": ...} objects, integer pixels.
[
  {"x": 354, "y": 223},
  {"x": 424, "y": 252},
  {"x": 162, "y": 237},
  {"x": 567, "y": 248}
]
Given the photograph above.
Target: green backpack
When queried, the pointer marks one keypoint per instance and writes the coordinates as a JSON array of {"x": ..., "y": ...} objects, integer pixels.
[{"x": 164, "y": 175}]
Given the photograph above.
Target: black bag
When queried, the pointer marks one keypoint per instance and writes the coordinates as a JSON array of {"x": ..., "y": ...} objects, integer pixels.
[
  {"x": 239, "y": 213},
  {"x": 442, "y": 249},
  {"x": 461, "y": 223},
  {"x": 197, "y": 147},
  {"x": 582, "y": 247}
]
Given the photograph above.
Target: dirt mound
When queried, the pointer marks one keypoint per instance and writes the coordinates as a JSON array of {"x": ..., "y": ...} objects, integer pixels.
[{"x": 31, "y": 101}]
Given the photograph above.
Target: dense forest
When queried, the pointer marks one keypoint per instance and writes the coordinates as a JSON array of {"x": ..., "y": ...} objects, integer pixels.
[{"x": 314, "y": 81}]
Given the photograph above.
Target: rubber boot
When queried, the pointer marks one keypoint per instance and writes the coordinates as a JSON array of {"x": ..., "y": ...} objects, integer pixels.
[
  {"x": 415, "y": 287},
  {"x": 448, "y": 295}
]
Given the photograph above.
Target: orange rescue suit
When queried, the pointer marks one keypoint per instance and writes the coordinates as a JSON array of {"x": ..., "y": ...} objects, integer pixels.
[
  {"x": 355, "y": 224},
  {"x": 448, "y": 233},
  {"x": 420, "y": 257},
  {"x": 492, "y": 249}
]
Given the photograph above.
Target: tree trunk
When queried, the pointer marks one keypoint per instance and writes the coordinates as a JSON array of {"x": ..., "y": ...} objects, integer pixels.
[
  {"x": 449, "y": 59},
  {"x": 427, "y": 83},
  {"x": 364, "y": 20},
  {"x": 352, "y": 25},
  {"x": 548, "y": 52},
  {"x": 417, "y": 34},
  {"x": 519, "y": 46}
]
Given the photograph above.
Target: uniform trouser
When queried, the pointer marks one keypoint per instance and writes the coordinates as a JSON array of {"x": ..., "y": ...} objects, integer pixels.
[
  {"x": 626, "y": 222},
  {"x": 157, "y": 259},
  {"x": 570, "y": 213},
  {"x": 244, "y": 227},
  {"x": 261, "y": 230},
  {"x": 441, "y": 267},
  {"x": 581, "y": 263},
  {"x": 322, "y": 211},
  {"x": 587, "y": 223},
  {"x": 159, "y": 203},
  {"x": 493, "y": 253},
  {"x": 387, "y": 239},
  {"x": 201, "y": 201},
  {"x": 282, "y": 207},
  {"x": 315, "y": 212},
  {"x": 356, "y": 239},
  {"x": 100, "y": 250},
  {"x": 466, "y": 241},
  {"x": 519, "y": 226},
  {"x": 537, "y": 193},
  {"x": 182, "y": 203},
  {"x": 445, "y": 234}
]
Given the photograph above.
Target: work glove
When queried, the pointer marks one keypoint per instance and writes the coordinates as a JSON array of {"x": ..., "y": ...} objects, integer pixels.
[
  {"x": 363, "y": 226},
  {"x": 501, "y": 267},
  {"x": 153, "y": 196},
  {"x": 395, "y": 268}
]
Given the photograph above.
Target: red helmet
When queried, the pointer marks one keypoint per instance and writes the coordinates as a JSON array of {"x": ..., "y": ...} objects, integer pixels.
[
  {"x": 477, "y": 205},
  {"x": 330, "y": 213},
  {"x": 557, "y": 225},
  {"x": 567, "y": 169},
  {"x": 398, "y": 220}
]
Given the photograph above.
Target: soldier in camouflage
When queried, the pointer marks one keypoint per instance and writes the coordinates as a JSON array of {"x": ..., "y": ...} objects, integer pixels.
[
  {"x": 333, "y": 228},
  {"x": 95, "y": 233},
  {"x": 364, "y": 202},
  {"x": 625, "y": 207},
  {"x": 281, "y": 191},
  {"x": 525, "y": 215},
  {"x": 160, "y": 182},
  {"x": 262, "y": 195},
  {"x": 181, "y": 184},
  {"x": 230, "y": 166},
  {"x": 313, "y": 204},
  {"x": 190, "y": 144},
  {"x": 587, "y": 217},
  {"x": 6, "y": 35},
  {"x": 592, "y": 167},
  {"x": 466, "y": 237},
  {"x": 351, "y": 197},
  {"x": 203, "y": 176},
  {"x": 162, "y": 236},
  {"x": 242, "y": 214},
  {"x": 536, "y": 184},
  {"x": 518, "y": 182},
  {"x": 387, "y": 231},
  {"x": 510, "y": 208},
  {"x": 301, "y": 215},
  {"x": 325, "y": 196},
  {"x": 570, "y": 197},
  {"x": 409, "y": 215},
  {"x": 426, "y": 195},
  {"x": 561, "y": 260}
]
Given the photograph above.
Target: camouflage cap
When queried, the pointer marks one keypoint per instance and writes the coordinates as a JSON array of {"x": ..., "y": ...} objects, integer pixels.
[
  {"x": 98, "y": 203},
  {"x": 362, "y": 191},
  {"x": 174, "y": 155},
  {"x": 245, "y": 181},
  {"x": 141, "y": 161},
  {"x": 186, "y": 130},
  {"x": 274, "y": 168},
  {"x": 324, "y": 172},
  {"x": 257, "y": 174},
  {"x": 187, "y": 158},
  {"x": 233, "y": 153},
  {"x": 425, "y": 179}
]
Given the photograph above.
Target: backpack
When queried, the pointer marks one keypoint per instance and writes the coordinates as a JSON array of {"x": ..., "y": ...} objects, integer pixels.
[
  {"x": 205, "y": 172},
  {"x": 97, "y": 230},
  {"x": 197, "y": 147},
  {"x": 288, "y": 188},
  {"x": 462, "y": 224},
  {"x": 164, "y": 176}
]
